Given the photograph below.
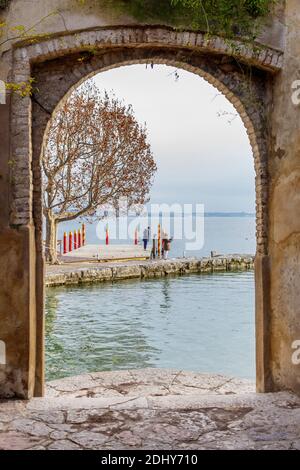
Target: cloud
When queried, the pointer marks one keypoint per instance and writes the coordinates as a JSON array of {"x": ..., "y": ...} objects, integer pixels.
[{"x": 196, "y": 151}]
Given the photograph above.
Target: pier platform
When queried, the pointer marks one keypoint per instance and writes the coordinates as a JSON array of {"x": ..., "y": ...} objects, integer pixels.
[{"x": 105, "y": 253}]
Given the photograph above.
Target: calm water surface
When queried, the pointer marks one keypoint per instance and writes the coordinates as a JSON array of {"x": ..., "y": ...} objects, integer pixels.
[
  {"x": 202, "y": 323},
  {"x": 221, "y": 234}
]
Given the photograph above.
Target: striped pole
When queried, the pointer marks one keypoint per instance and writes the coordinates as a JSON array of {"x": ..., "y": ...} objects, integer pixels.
[
  {"x": 136, "y": 237},
  {"x": 79, "y": 238},
  {"x": 159, "y": 241},
  {"x": 107, "y": 235},
  {"x": 70, "y": 241},
  {"x": 75, "y": 239},
  {"x": 83, "y": 234},
  {"x": 65, "y": 243}
]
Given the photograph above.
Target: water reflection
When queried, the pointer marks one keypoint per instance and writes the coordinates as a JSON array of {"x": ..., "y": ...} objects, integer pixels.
[
  {"x": 202, "y": 323},
  {"x": 88, "y": 330},
  {"x": 166, "y": 298}
]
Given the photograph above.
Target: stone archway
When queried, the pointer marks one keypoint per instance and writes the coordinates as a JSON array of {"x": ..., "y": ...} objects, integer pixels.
[{"x": 60, "y": 63}]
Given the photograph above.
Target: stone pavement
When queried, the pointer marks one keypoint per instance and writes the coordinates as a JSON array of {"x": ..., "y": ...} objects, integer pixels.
[
  {"x": 151, "y": 409},
  {"x": 107, "y": 253}
]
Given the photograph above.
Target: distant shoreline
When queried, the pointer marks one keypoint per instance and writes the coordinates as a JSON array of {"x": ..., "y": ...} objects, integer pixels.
[
  {"x": 229, "y": 214},
  {"x": 172, "y": 215},
  {"x": 208, "y": 214}
]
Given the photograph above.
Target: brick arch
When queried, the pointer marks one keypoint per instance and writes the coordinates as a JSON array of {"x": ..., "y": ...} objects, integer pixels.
[
  {"x": 61, "y": 63},
  {"x": 229, "y": 80}
]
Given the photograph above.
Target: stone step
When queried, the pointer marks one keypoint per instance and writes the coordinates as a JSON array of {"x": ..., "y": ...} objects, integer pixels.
[
  {"x": 151, "y": 409},
  {"x": 168, "y": 402}
]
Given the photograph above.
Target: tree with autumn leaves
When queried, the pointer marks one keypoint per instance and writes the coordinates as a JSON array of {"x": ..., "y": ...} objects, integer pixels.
[{"x": 96, "y": 153}]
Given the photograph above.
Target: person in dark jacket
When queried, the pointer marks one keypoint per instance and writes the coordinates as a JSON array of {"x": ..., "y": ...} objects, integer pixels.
[{"x": 146, "y": 237}]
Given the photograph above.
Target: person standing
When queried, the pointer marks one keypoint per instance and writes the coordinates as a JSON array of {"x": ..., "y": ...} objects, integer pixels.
[
  {"x": 166, "y": 247},
  {"x": 146, "y": 237},
  {"x": 163, "y": 242}
]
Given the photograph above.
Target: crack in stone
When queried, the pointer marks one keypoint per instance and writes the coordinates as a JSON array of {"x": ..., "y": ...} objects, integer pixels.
[
  {"x": 236, "y": 422},
  {"x": 123, "y": 402}
]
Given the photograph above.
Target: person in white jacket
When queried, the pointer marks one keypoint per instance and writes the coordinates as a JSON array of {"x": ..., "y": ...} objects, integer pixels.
[{"x": 166, "y": 245}]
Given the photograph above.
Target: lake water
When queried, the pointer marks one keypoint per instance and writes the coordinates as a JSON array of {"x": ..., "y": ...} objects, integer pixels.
[
  {"x": 201, "y": 323},
  {"x": 221, "y": 234}
]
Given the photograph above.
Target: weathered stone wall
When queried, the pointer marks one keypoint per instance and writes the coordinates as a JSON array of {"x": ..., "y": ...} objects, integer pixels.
[
  {"x": 56, "y": 16},
  {"x": 284, "y": 206},
  {"x": 270, "y": 117},
  {"x": 65, "y": 275}
]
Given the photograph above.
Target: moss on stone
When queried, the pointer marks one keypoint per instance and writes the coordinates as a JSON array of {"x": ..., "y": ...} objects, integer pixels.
[
  {"x": 230, "y": 17},
  {"x": 4, "y": 3}
]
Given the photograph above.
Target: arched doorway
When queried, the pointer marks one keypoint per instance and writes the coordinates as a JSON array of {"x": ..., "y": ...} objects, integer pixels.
[
  {"x": 179, "y": 322},
  {"x": 58, "y": 65}
]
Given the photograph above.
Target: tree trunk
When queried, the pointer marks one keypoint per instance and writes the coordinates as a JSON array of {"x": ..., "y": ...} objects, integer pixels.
[{"x": 51, "y": 239}]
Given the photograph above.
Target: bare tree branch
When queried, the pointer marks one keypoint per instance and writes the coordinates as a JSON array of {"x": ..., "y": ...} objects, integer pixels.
[{"x": 97, "y": 153}]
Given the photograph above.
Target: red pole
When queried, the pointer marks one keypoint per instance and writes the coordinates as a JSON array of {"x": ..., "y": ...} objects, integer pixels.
[
  {"x": 65, "y": 243},
  {"x": 83, "y": 234},
  {"x": 107, "y": 236},
  {"x": 136, "y": 237},
  {"x": 70, "y": 241},
  {"x": 79, "y": 238},
  {"x": 75, "y": 239},
  {"x": 159, "y": 241}
]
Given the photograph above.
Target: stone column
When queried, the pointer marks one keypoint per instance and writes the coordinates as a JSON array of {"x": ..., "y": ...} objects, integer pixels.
[
  {"x": 284, "y": 210},
  {"x": 17, "y": 282}
]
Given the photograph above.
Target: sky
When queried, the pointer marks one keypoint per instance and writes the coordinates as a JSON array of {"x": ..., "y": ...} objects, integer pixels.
[{"x": 203, "y": 155}]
